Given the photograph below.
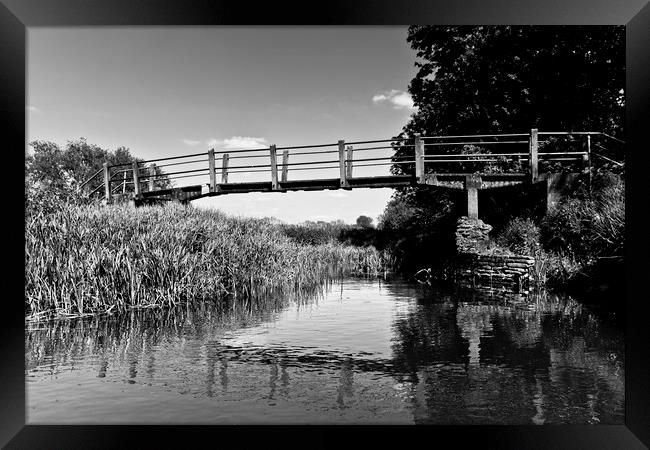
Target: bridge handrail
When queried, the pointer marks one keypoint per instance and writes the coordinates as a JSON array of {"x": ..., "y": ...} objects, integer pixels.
[
  {"x": 608, "y": 159},
  {"x": 90, "y": 178},
  {"x": 379, "y": 140},
  {"x": 307, "y": 146},
  {"x": 476, "y": 136},
  {"x": 94, "y": 190},
  {"x": 145, "y": 170},
  {"x": 438, "y": 144},
  {"x": 613, "y": 138}
]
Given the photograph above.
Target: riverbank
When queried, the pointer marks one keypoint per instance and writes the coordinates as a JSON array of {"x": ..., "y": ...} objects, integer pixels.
[{"x": 94, "y": 259}]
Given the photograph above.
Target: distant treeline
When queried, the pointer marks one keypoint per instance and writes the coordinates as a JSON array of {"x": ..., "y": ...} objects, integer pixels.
[{"x": 315, "y": 233}]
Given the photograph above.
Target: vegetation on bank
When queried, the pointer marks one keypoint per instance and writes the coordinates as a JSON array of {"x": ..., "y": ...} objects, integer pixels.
[
  {"x": 577, "y": 238},
  {"x": 89, "y": 259}
]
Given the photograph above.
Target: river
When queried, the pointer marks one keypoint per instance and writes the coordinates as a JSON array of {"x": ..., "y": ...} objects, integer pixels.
[{"x": 363, "y": 351}]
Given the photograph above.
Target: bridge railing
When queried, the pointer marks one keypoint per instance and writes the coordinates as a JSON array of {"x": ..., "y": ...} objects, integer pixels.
[
  {"x": 344, "y": 157},
  {"x": 518, "y": 154}
]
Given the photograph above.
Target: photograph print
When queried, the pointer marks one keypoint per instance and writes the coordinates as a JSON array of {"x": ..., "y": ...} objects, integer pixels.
[{"x": 325, "y": 225}]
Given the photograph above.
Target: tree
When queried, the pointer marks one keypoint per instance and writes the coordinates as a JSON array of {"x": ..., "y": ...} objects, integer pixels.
[
  {"x": 52, "y": 171},
  {"x": 509, "y": 79},
  {"x": 364, "y": 222},
  {"x": 397, "y": 214}
]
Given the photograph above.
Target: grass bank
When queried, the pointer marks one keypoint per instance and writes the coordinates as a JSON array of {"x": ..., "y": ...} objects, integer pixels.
[{"x": 89, "y": 259}]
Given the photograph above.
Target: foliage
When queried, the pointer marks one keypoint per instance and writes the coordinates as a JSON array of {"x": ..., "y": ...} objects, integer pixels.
[
  {"x": 552, "y": 269},
  {"x": 314, "y": 233},
  {"x": 417, "y": 228},
  {"x": 521, "y": 236},
  {"x": 89, "y": 259},
  {"x": 574, "y": 235},
  {"x": 364, "y": 221},
  {"x": 475, "y": 79},
  {"x": 397, "y": 214},
  {"x": 52, "y": 172},
  {"x": 589, "y": 225},
  {"x": 509, "y": 79}
]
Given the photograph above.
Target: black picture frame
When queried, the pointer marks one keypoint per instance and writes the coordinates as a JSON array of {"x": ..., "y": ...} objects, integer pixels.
[{"x": 17, "y": 15}]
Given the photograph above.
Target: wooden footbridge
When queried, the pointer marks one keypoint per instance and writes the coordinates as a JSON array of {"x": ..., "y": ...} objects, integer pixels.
[{"x": 469, "y": 162}]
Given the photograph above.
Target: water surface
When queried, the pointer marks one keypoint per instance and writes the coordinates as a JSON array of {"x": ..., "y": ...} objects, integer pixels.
[{"x": 366, "y": 351}]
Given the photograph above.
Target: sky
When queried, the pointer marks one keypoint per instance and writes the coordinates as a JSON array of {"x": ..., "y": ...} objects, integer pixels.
[{"x": 168, "y": 91}]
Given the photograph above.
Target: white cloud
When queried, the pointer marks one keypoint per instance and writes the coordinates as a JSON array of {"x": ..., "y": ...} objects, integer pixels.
[
  {"x": 337, "y": 194},
  {"x": 398, "y": 99},
  {"x": 190, "y": 142},
  {"x": 32, "y": 109},
  {"x": 238, "y": 142}
]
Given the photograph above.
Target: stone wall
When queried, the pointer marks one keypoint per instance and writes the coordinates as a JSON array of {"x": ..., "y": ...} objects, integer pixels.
[
  {"x": 472, "y": 235},
  {"x": 477, "y": 265},
  {"x": 498, "y": 272}
]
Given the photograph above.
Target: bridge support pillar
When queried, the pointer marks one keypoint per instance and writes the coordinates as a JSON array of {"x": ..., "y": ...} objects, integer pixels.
[{"x": 472, "y": 185}]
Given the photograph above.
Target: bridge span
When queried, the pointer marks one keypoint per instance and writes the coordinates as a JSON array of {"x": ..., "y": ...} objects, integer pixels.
[{"x": 468, "y": 162}]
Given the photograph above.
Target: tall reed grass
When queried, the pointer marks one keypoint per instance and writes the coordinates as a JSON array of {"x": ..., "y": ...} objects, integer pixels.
[{"x": 92, "y": 259}]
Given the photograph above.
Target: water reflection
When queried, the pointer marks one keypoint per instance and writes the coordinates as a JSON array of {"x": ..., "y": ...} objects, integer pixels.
[
  {"x": 365, "y": 352},
  {"x": 345, "y": 390},
  {"x": 545, "y": 358}
]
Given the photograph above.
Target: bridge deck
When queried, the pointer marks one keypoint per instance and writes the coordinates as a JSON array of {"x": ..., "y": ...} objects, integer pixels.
[{"x": 452, "y": 181}]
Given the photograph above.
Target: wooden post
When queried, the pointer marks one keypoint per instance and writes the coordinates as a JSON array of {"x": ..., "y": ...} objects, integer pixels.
[
  {"x": 136, "y": 178},
  {"x": 344, "y": 181},
  {"x": 224, "y": 168},
  {"x": 152, "y": 175},
  {"x": 532, "y": 155},
  {"x": 213, "y": 173},
  {"x": 124, "y": 182},
  {"x": 348, "y": 173},
  {"x": 589, "y": 161},
  {"x": 107, "y": 183},
  {"x": 285, "y": 165},
  {"x": 419, "y": 158},
  {"x": 472, "y": 184},
  {"x": 274, "y": 168}
]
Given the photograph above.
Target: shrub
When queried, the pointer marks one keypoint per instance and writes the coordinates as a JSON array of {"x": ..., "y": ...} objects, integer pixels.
[
  {"x": 563, "y": 228},
  {"x": 607, "y": 227},
  {"x": 590, "y": 224},
  {"x": 520, "y": 235},
  {"x": 553, "y": 269}
]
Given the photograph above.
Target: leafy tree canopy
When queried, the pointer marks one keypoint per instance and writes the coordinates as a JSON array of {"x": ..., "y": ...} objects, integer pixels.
[
  {"x": 364, "y": 221},
  {"x": 500, "y": 79},
  {"x": 54, "y": 171},
  {"x": 509, "y": 79}
]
